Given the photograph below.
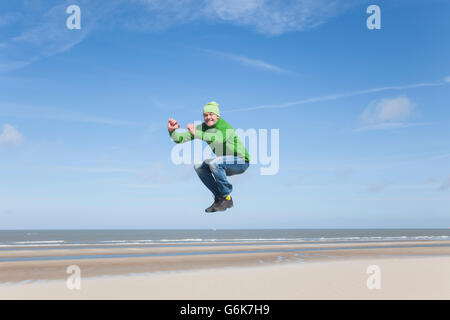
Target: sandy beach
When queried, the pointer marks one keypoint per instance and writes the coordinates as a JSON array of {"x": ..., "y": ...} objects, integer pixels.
[
  {"x": 406, "y": 278},
  {"x": 275, "y": 270}
]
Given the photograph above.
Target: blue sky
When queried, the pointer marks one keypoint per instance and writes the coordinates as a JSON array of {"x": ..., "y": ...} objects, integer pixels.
[{"x": 363, "y": 115}]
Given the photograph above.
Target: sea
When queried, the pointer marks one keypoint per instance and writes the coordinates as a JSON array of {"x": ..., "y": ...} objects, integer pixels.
[{"x": 12, "y": 239}]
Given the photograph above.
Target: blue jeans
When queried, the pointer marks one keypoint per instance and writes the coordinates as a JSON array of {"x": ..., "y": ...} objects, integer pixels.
[{"x": 214, "y": 172}]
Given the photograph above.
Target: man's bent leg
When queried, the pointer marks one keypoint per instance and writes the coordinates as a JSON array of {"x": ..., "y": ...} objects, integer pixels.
[
  {"x": 221, "y": 167},
  {"x": 237, "y": 167},
  {"x": 205, "y": 175}
]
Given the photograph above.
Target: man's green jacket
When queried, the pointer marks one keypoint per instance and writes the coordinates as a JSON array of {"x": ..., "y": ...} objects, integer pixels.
[{"x": 221, "y": 137}]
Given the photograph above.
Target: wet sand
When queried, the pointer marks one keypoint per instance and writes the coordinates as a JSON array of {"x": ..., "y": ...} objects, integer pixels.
[{"x": 409, "y": 270}]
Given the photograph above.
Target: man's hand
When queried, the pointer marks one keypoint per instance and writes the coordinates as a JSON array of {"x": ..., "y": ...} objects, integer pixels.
[
  {"x": 191, "y": 128},
  {"x": 172, "y": 125}
]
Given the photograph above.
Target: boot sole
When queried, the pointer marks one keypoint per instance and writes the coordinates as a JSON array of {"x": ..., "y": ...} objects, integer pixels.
[
  {"x": 223, "y": 209},
  {"x": 219, "y": 209}
]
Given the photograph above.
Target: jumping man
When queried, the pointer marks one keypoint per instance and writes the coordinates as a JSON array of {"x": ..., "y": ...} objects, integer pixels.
[{"x": 231, "y": 156}]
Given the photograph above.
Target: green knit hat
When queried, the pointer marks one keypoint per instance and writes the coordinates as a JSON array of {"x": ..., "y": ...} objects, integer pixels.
[{"x": 212, "y": 107}]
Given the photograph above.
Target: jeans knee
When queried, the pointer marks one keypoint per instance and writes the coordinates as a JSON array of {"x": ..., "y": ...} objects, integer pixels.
[
  {"x": 197, "y": 166},
  {"x": 213, "y": 165}
]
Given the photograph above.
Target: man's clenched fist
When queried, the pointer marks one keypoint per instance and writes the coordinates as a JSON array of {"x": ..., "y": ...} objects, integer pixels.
[
  {"x": 191, "y": 128},
  {"x": 172, "y": 125}
]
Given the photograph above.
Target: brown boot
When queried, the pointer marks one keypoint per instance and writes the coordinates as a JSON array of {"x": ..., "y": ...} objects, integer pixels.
[
  {"x": 223, "y": 204},
  {"x": 212, "y": 208}
]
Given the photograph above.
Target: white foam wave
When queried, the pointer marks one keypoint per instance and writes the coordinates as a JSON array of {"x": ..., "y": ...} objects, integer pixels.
[
  {"x": 40, "y": 242},
  {"x": 63, "y": 243}
]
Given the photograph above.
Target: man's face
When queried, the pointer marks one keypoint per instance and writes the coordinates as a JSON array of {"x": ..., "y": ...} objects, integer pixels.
[{"x": 210, "y": 118}]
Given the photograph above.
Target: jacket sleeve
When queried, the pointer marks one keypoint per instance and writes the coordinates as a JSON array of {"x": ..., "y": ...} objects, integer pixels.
[
  {"x": 181, "y": 137},
  {"x": 209, "y": 137}
]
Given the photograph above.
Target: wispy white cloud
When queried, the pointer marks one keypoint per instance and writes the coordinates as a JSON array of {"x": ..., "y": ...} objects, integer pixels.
[
  {"x": 276, "y": 17},
  {"x": 269, "y": 17},
  {"x": 388, "y": 110},
  {"x": 155, "y": 126},
  {"x": 440, "y": 156},
  {"x": 343, "y": 173},
  {"x": 294, "y": 180},
  {"x": 154, "y": 175},
  {"x": 8, "y": 65},
  {"x": 58, "y": 114},
  {"x": 95, "y": 169},
  {"x": 391, "y": 126},
  {"x": 9, "y": 18},
  {"x": 340, "y": 96},
  {"x": 48, "y": 34},
  {"x": 159, "y": 15},
  {"x": 446, "y": 184},
  {"x": 253, "y": 63},
  {"x": 159, "y": 174},
  {"x": 235, "y": 9},
  {"x": 378, "y": 186},
  {"x": 388, "y": 114},
  {"x": 10, "y": 136}
]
